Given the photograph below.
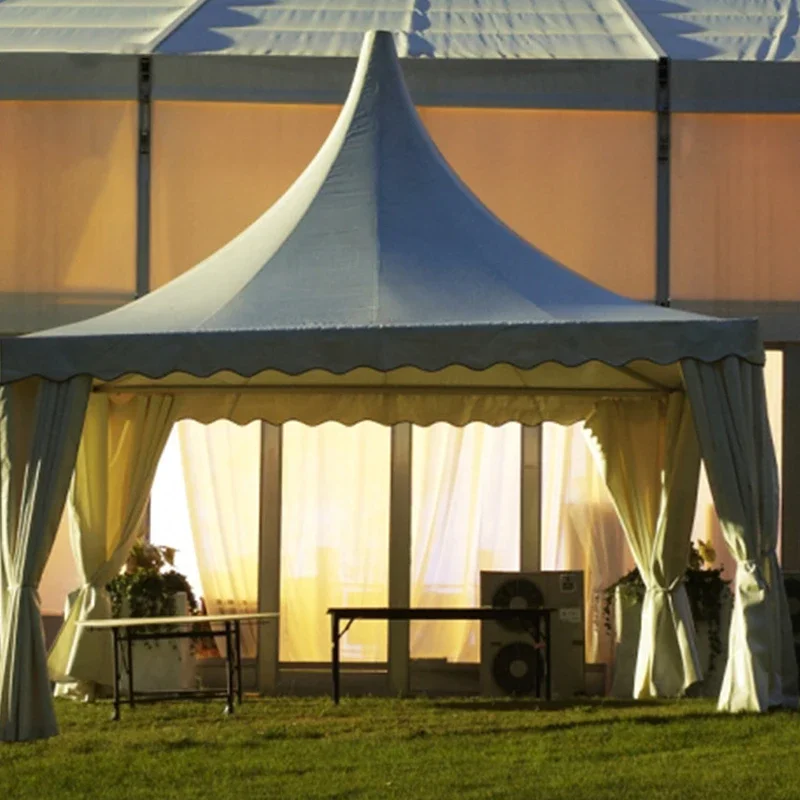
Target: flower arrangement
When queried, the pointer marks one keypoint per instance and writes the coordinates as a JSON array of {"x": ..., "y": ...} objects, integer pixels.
[
  {"x": 148, "y": 584},
  {"x": 705, "y": 586}
]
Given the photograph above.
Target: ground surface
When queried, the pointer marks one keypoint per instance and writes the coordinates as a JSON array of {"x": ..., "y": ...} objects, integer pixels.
[{"x": 376, "y": 748}]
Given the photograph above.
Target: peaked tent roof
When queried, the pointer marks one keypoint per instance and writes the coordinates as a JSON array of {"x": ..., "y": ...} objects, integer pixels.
[{"x": 378, "y": 256}]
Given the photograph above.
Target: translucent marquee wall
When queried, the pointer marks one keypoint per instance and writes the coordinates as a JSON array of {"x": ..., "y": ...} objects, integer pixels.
[
  {"x": 580, "y": 185},
  {"x": 67, "y": 210},
  {"x": 735, "y": 194}
]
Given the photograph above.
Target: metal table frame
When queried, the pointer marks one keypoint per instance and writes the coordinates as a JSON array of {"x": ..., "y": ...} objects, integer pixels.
[
  {"x": 533, "y": 616},
  {"x": 127, "y": 631}
]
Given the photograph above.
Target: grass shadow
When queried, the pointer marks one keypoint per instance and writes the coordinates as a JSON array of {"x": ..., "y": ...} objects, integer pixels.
[{"x": 546, "y": 705}]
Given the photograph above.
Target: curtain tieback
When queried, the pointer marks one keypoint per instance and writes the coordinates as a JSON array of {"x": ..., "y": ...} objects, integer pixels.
[
  {"x": 666, "y": 589},
  {"x": 753, "y": 569},
  {"x": 14, "y": 586}
]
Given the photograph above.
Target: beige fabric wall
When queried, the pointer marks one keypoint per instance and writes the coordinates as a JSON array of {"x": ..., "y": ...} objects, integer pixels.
[
  {"x": 67, "y": 210},
  {"x": 580, "y": 185},
  {"x": 735, "y": 193},
  {"x": 60, "y": 575},
  {"x": 216, "y": 167}
]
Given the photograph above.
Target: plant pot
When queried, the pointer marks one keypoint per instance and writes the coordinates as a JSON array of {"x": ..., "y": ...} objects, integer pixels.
[
  {"x": 627, "y": 627},
  {"x": 162, "y": 664}
]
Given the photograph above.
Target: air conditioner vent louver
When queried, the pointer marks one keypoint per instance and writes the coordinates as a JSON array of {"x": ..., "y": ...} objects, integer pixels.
[
  {"x": 514, "y": 668},
  {"x": 517, "y": 593}
]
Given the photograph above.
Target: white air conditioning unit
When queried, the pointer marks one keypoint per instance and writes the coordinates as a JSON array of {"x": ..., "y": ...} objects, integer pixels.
[{"x": 507, "y": 652}]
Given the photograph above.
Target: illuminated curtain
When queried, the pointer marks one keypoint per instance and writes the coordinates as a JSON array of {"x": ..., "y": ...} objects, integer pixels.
[
  {"x": 580, "y": 528},
  {"x": 221, "y": 465},
  {"x": 465, "y": 513},
  {"x": 170, "y": 524},
  {"x": 334, "y": 537}
]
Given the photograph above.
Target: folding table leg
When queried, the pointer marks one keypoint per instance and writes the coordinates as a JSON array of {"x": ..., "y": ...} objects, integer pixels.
[
  {"x": 237, "y": 628},
  {"x": 335, "y": 655},
  {"x": 229, "y": 672},
  {"x": 115, "y": 635},
  {"x": 549, "y": 677},
  {"x": 129, "y": 643}
]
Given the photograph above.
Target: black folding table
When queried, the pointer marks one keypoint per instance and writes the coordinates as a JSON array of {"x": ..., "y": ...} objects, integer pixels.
[
  {"x": 139, "y": 629},
  {"x": 535, "y": 621}
]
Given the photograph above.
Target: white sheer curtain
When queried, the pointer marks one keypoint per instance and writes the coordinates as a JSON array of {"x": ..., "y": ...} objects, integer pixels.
[
  {"x": 221, "y": 465},
  {"x": 465, "y": 518},
  {"x": 580, "y": 527},
  {"x": 170, "y": 524},
  {"x": 334, "y": 537}
]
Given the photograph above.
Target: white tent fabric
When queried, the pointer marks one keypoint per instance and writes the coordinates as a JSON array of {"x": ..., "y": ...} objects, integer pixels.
[
  {"x": 597, "y": 54},
  {"x": 89, "y": 26},
  {"x": 729, "y": 405},
  {"x": 465, "y": 517},
  {"x": 40, "y": 426},
  {"x": 571, "y": 29},
  {"x": 649, "y": 456},
  {"x": 221, "y": 469}
]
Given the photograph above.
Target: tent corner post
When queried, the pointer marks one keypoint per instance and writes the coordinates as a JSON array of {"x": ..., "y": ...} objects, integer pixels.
[
  {"x": 269, "y": 556},
  {"x": 531, "y": 499},
  {"x": 663, "y": 186},
  {"x": 143, "y": 177},
  {"x": 400, "y": 557}
]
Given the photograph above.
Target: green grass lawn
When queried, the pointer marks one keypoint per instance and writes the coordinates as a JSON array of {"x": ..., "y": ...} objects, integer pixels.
[{"x": 307, "y": 748}]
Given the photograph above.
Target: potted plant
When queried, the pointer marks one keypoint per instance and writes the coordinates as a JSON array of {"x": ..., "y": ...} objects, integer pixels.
[
  {"x": 710, "y": 600},
  {"x": 149, "y": 586}
]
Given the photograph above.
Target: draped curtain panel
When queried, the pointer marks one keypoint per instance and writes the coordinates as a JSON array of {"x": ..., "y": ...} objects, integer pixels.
[
  {"x": 119, "y": 451},
  {"x": 648, "y": 452},
  {"x": 729, "y": 404},
  {"x": 221, "y": 465},
  {"x": 706, "y": 524},
  {"x": 334, "y": 537},
  {"x": 465, "y": 512},
  {"x": 580, "y": 527},
  {"x": 40, "y": 428}
]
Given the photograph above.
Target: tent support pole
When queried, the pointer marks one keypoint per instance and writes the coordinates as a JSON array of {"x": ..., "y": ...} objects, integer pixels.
[
  {"x": 269, "y": 556},
  {"x": 530, "y": 550},
  {"x": 400, "y": 557},
  {"x": 143, "y": 180},
  {"x": 663, "y": 147},
  {"x": 790, "y": 468}
]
